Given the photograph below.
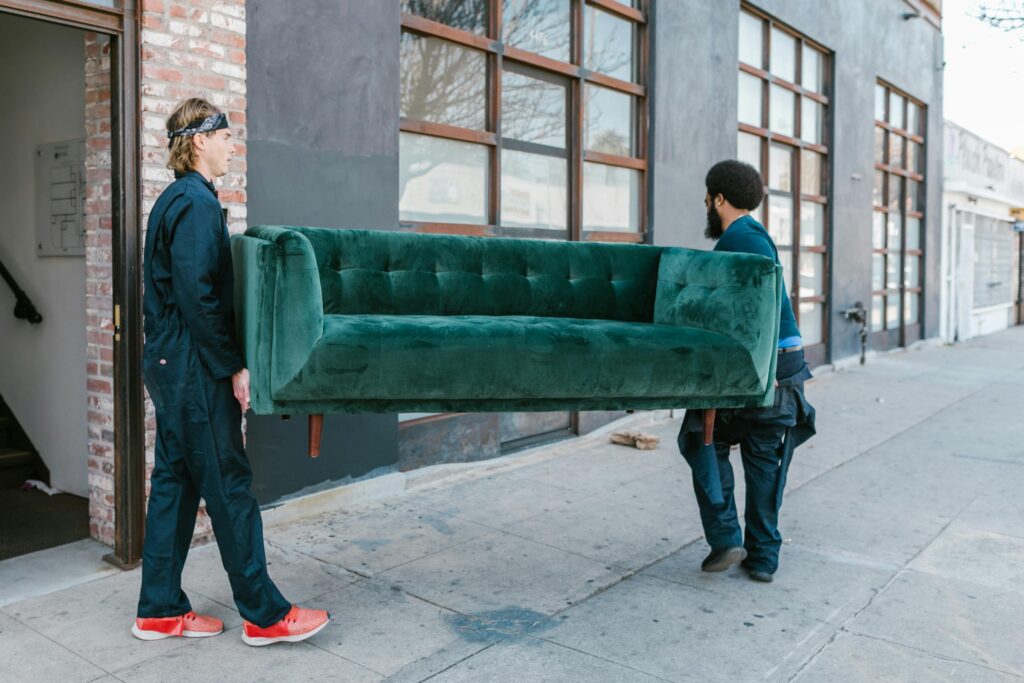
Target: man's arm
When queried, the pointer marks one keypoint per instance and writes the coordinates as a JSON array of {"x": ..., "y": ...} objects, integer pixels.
[{"x": 195, "y": 269}]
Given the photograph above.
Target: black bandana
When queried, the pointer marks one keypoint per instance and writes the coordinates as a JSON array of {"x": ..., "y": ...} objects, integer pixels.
[{"x": 207, "y": 125}]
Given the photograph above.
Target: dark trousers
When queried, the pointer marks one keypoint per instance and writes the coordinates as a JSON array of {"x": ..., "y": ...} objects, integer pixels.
[
  {"x": 766, "y": 449},
  {"x": 199, "y": 453}
]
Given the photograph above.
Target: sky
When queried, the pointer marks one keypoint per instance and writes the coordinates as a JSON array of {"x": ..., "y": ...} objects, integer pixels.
[{"x": 984, "y": 76}]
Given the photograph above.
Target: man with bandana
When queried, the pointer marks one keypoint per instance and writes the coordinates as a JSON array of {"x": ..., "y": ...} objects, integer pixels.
[
  {"x": 199, "y": 386},
  {"x": 766, "y": 436}
]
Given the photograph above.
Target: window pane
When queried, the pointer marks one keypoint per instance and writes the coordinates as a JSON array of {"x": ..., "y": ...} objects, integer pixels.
[
  {"x": 877, "y": 306},
  {"x": 783, "y": 57},
  {"x": 892, "y": 271},
  {"x": 810, "y": 123},
  {"x": 915, "y": 162},
  {"x": 894, "y": 193},
  {"x": 442, "y": 82},
  {"x": 468, "y": 15},
  {"x": 609, "y": 47},
  {"x": 877, "y": 272},
  {"x": 910, "y": 308},
  {"x": 748, "y": 149},
  {"x": 896, "y": 110},
  {"x": 878, "y": 194},
  {"x": 442, "y": 180},
  {"x": 893, "y": 232},
  {"x": 812, "y": 224},
  {"x": 895, "y": 150},
  {"x": 540, "y": 26},
  {"x": 780, "y": 221},
  {"x": 751, "y": 97},
  {"x": 611, "y": 198},
  {"x": 609, "y": 125},
  {"x": 811, "y": 78},
  {"x": 913, "y": 195},
  {"x": 812, "y": 274},
  {"x": 780, "y": 168},
  {"x": 892, "y": 312},
  {"x": 880, "y": 145},
  {"x": 913, "y": 233},
  {"x": 782, "y": 111},
  {"x": 532, "y": 110},
  {"x": 911, "y": 271},
  {"x": 751, "y": 40},
  {"x": 810, "y": 323},
  {"x": 786, "y": 261},
  {"x": 810, "y": 172},
  {"x": 533, "y": 191},
  {"x": 878, "y": 231},
  {"x": 913, "y": 118},
  {"x": 880, "y": 102}
]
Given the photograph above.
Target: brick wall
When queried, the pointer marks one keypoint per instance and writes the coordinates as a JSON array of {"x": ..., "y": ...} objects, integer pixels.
[{"x": 190, "y": 48}]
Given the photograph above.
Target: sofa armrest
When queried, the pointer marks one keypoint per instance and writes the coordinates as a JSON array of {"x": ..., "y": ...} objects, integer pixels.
[
  {"x": 280, "y": 306},
  {"x": 737, "y": 295}
]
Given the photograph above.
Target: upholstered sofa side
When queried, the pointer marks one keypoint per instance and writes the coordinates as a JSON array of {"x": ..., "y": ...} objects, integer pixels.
[
  {"x": 285, "y": 292},
  {"x": 737, "y": 295}
]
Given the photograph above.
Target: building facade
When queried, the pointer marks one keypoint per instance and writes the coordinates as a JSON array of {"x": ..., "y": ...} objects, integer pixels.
[
  {"x": 982, "y": 236},
  {"x": 552, "y": 119}
]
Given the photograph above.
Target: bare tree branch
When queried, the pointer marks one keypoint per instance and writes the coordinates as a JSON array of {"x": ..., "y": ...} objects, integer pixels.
[{"x": 1005, "y": 14}]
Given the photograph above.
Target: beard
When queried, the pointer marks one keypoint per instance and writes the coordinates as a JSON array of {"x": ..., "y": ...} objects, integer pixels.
[{"x": 713, "y": 230}]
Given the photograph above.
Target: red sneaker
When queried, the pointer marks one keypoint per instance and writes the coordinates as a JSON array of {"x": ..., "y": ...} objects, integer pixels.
[
  {"x": 190, "y": 625},
  {"x": 300, "y": 623}
]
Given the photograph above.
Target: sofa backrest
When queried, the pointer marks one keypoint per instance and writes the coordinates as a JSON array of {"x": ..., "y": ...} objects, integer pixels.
[{"x": 399, "y": 273}]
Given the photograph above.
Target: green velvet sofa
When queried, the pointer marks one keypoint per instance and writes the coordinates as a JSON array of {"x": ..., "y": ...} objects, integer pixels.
[{"x": 377, "y": 321}]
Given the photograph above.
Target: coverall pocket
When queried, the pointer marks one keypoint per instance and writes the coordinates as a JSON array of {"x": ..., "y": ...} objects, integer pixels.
[{"x": 166, "y": 369}]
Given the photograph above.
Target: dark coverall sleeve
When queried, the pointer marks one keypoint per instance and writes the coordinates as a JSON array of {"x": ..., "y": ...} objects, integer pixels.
[{"x": 196, "y": 243}]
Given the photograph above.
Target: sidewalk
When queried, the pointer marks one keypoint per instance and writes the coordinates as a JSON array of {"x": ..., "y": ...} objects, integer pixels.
[{"x": 904, "y": 561}]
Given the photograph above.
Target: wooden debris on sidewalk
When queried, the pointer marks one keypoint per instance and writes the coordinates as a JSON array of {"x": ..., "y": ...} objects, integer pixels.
[{"x": 645, "y": 442}]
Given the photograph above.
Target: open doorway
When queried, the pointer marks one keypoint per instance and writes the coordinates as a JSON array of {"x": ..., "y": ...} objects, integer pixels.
[{"x": 56, "y": 152}]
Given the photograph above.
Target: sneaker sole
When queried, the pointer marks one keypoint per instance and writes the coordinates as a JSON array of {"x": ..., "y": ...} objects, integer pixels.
[
  {"x": 157, "y": 635},
  {"x": 260, "y": 642},
  {"x": 733, "y": 557}
]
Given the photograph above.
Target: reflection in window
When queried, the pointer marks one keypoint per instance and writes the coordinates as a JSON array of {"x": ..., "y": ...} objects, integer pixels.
[
  {"x": 609, "y": 47},
  {"x": 534, "y": 191},
  {"x": 467, "y": 15},
  {"x": 442, "y": 82},
  {"x": 532, "y": 110},
  {"x": 441, "y": 180},
  {"x": 609, "y": 121},
  {"x": 611, "y": 198},
  {"x": 540, "y": 26}
]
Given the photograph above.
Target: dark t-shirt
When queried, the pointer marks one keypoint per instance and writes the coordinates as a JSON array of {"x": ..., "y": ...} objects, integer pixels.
[{"x": 748, "y": 236}]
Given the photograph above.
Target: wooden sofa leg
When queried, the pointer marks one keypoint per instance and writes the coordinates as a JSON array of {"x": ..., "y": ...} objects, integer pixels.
[
  {"x": 709, "y": 426},
  {"x": 316, "y": 426}
]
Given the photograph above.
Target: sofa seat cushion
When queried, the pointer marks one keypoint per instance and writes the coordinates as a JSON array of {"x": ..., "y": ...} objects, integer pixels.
[{"x": 487, "y": 357}]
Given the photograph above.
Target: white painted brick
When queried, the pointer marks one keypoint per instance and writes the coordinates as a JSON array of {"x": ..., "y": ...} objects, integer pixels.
[{"x": 225, "y": 69}]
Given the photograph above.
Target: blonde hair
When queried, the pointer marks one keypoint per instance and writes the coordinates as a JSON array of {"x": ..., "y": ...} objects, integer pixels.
[{"x": 183, "y": 154}]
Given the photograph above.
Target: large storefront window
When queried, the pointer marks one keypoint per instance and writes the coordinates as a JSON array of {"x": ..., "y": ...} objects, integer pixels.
[
  {"x": 896, "y": 235},
  {"x": 524, "y": 118},
  {"x": 784, "y": 84}
]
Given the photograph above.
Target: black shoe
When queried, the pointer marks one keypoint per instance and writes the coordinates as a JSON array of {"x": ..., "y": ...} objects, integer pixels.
[
  {"x": 758, "y": 575},
  {"x": 720, "y": 560}
]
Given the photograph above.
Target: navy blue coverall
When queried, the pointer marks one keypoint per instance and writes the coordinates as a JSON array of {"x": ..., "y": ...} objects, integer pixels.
[
  {"x": 189, "y": 357},
  {"x": 766, "y": 436}
]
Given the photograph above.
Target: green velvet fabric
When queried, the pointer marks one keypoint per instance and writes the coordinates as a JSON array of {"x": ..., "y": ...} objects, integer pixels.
[
  {"x": 375, "y": 321},
  {"x": 480, "y": 357}
]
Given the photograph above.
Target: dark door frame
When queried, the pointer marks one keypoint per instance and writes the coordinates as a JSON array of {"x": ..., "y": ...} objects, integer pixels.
[{"x": 122, "y": 24}]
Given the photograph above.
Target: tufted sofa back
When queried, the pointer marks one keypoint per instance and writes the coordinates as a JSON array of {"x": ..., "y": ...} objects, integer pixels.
[{"x": 396, "y": 273}]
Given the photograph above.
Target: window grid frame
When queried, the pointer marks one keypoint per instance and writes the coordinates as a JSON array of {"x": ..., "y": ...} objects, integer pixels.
[
  {"x": 577, "y": 78},
  {"x": 900, "y": 251},
  {"x": 797, "y": 145}
]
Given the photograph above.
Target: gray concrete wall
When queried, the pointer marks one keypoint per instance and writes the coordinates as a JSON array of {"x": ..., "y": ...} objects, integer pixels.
[
  {"x": 694, "y": 112},
  {"x": 322, "y": 150}
]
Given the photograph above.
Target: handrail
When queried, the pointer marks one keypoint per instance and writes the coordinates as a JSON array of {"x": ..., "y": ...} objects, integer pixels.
[{"x": 23, "y": 308}]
